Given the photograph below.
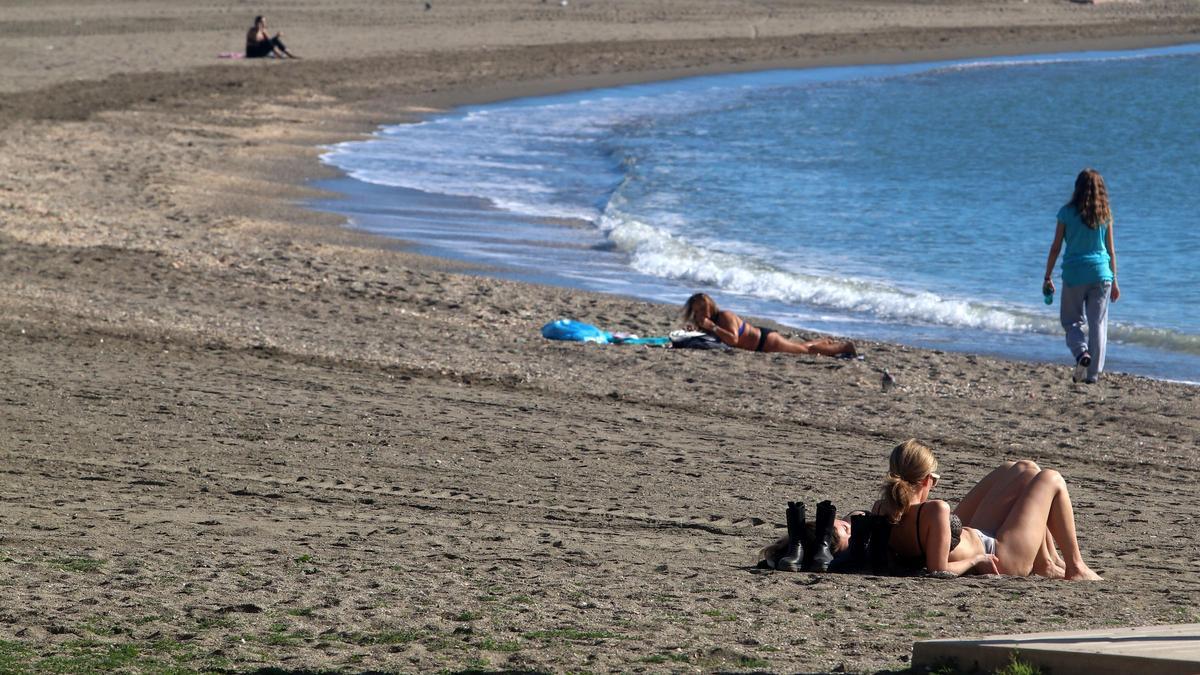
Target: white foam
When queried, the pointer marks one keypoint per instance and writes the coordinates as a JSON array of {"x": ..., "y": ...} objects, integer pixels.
[
  {"x": 546, "y": 158},
  {"x": 658, "y": 252}
]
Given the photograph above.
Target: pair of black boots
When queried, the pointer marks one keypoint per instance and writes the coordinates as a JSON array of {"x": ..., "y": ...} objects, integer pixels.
[
  {"x": 813, "y": 550},
  {"x": 808, "y": 551}
]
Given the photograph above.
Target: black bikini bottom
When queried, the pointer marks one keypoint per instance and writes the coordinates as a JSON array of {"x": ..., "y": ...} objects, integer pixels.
[{"x": 762, "y": 338}]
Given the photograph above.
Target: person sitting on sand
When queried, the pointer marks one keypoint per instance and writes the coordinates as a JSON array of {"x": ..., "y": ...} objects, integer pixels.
[
  {"x": 259, "y": 43},
  {"x": 703, "y": 314}
]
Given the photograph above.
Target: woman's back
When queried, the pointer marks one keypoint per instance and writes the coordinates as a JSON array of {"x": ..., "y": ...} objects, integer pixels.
[
  {"x": 1086, "y": 259},
  {"x": 909, "y": 537}
]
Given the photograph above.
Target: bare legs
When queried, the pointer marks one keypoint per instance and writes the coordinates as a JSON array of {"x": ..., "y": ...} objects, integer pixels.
[
  {"x": 998, "y": 490},
  {"x": 824, "y": 346},
  {"x": 831, "y": 347},
  {"x": 990, "y": 504},
  {"x": 1045, "y": 505},
  {"x": 1048, "y": 563}
]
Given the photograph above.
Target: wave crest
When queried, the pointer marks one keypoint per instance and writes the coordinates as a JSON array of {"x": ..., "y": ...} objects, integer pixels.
[{"x": 655, "y": 251}]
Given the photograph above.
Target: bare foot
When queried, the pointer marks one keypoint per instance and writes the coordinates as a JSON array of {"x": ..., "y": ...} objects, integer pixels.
[
  {"x": 1050, "y": 571},
  {"x": 1083, "y": 573}
]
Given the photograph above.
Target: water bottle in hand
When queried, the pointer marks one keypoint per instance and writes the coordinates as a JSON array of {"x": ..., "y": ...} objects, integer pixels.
[{"x": 1048, "y": 293}]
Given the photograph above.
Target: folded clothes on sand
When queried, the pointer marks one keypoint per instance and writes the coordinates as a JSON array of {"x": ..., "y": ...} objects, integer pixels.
[{"x": 692, "y": 339}]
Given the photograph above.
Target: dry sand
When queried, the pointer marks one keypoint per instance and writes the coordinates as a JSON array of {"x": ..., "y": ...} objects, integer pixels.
[{"x": 236, "y": 435}]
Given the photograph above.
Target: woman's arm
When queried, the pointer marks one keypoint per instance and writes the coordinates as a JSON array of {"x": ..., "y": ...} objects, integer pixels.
[
  {"x": 726, "y": 335},
  {"x": 1112, "y": 261},
  {"x": 937, "y": 542},
  {"x": 1055, "y": 247}
]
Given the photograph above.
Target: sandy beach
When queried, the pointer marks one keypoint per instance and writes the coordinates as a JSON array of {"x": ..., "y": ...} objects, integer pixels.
[{"x": 236, "y": 435}]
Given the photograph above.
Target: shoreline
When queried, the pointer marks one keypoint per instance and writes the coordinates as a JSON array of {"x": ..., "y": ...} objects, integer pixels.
[
  {"x": 552, "y": 86},
  {"x": 354, "y": 191},
  {"x": 237, "y": 434}
]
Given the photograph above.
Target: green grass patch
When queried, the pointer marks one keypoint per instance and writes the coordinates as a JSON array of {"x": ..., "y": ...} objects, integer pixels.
[
  {"x": 719, "y": 615},
  {"x": 85, "y": 656},
  {"x": 14, "y": 657},
  {"x": 300, "y": 611},
  {"x": 571, "y": 634},
  {"x": 490, "y": 645},
  {"x": 281, "y": 636},
  {"x": 387, "y": 637},
  {"x": 667, "y": 658},
  {"x": 1016, "y": 666},
  {"x": 468, "y": 616},
  {"x": 948, "y": 667},
  {"x": 752, "y": 662},
  {"x": 92, "y": 657},
  {"x": 80, "y": 564}
]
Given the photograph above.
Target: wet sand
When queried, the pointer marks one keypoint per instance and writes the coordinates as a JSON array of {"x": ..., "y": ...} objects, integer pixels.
[{"x": 237, "y": 435}]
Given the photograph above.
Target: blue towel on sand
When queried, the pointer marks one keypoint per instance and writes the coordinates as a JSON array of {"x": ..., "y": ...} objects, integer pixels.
[
  {"x": 575, "y": 331},
  {"x": 578, "y": 331}
]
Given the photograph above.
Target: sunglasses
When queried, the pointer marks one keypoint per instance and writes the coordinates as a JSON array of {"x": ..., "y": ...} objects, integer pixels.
[{"x": 935, "y": 478}]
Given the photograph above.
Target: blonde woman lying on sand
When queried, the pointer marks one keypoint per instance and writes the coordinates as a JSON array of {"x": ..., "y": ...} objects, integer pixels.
[
  {"x": 703, "y": 314},
  {"x": 1007, "y": 524}
]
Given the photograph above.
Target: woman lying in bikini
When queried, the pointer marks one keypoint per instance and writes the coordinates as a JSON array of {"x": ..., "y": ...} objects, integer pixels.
[
  {"x": 703, "y": 314},
  {"x": 1008, "y": 523}
]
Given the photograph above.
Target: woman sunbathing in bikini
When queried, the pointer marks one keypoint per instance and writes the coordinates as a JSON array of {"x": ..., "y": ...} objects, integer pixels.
[
  {"x": 702, "y": 314},
  {"x": 1007, "y": 524}
]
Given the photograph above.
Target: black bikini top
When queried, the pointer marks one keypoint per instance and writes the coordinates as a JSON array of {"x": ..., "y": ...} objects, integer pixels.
[{"x": 956, "y": 527}]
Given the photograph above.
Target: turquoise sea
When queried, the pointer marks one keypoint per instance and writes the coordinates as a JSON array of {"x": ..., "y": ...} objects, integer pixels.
[{"x": 911, "y": 203}]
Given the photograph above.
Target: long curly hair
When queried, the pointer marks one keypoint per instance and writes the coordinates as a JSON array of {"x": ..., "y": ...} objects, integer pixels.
[
  {"x": 910, "y": 463},
  {"x": 1090, "y": 199}
]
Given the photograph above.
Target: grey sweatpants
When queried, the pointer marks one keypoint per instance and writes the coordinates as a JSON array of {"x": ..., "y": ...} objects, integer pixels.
[{"x": 1092, "y": 299}]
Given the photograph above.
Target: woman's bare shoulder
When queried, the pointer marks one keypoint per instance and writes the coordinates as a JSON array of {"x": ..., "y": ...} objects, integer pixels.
[{"x": 937, "y": 508}]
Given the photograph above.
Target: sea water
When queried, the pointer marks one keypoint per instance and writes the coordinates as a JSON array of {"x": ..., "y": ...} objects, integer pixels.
[{"x": 912, "y": 203}]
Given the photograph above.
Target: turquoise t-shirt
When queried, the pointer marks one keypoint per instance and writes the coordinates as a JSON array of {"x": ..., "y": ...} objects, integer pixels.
[{"x": 1086, "y": 259}]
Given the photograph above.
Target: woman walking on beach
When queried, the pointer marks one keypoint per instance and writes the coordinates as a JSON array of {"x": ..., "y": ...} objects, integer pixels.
[
  {"x": 1008, "y": 523},
  {"x": 702, "y": 313},
  {"x": 1089, "y": 272}
]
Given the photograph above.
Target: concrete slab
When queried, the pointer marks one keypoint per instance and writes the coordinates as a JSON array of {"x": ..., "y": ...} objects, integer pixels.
[{"x": 1163, "y": 650}]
